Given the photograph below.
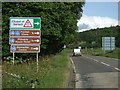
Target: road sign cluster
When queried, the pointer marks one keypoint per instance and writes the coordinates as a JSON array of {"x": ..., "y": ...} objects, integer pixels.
[
  {"x": 25, "y": 34},
  {"x": 108, "y": 43}
]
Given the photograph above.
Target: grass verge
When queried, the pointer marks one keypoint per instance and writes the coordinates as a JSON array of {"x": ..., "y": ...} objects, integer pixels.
[
  {"x": 99, "y": 52},
  {"x": 52, "y": 73}
]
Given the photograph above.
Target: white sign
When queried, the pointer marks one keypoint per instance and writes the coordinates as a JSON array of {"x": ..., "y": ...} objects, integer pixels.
[
  {"x": 21, "y": 23},
  {"x": 108, "y": 43},
  {"x": 25, "y": 23}
]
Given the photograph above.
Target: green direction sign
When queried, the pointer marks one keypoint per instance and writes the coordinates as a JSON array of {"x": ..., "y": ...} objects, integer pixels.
[{"x": 25, "y": 23}]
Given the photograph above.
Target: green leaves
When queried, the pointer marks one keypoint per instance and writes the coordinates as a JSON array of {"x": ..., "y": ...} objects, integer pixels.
[
  {"x": 93, "y": 38},
  {"x": 58, "y": 21}
]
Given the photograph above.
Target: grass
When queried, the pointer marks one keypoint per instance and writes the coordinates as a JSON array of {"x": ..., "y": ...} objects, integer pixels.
[
  {"x": 100, "y": 52},
  {"x": 52, "y": 73}
]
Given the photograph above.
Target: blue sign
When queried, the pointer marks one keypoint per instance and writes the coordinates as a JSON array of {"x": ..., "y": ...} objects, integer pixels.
[
  {"x": 12, "y": 40},
  {"x": 14, "y": 48},
  {"x": 12, "y": 33},
  {"x": 17, "y": 32}
]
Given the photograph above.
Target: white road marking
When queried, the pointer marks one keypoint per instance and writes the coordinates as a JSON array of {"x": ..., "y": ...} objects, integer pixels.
[
  {"x": 79, "y": 82},
  {"x": 117, "y": 69},
  {"x": 95, "y": 60},
  {"x": 73, "y": 65},
  {"x": 105, "y": 64}
]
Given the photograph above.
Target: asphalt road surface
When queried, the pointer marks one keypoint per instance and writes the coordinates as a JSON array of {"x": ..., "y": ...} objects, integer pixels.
[{"x": 96, "y": 72}]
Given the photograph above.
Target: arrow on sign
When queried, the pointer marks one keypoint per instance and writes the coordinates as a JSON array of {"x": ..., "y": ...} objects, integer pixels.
[
  {"x": 37, "y": 40},
  {"x": 36, "y": 48},
  {"x": 37, "y": 23}
]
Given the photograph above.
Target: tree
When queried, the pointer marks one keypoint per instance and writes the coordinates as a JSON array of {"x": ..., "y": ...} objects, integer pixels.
[
  {"x": 58, "y": 22},
  {"x": 95, "y": 35}
]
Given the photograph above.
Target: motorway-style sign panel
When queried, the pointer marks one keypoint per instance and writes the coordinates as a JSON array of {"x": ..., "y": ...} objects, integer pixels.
[
  {"x": 22, "y": 40},
  {"x": 25, "y": 23},
  {"x": 24, "y": 33},
  {"x": 108, "y": 43},
  {"x": 24, "y": 48}
]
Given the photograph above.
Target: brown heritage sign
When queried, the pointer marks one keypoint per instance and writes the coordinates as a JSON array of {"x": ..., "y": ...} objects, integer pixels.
[
  {"x": 25, "y": 48},
  {"x": 24, "y": 32},
  {"x": 22, "y": 40}
]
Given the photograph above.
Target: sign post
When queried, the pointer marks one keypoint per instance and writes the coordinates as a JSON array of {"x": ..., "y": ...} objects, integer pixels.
[
  {"x": 13, "y": 57},
  {"x": 37, "y": 61},
  {"x": 25, "y": 35}
]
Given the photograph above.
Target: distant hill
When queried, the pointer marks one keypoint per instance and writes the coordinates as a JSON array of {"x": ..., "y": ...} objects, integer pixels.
[{"x": 93, "y": 37}]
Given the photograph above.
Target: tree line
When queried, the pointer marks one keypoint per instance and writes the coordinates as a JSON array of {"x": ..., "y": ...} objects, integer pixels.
[
  {"x": 58, "y": 23},
  {"x": 93, "y": 37}
]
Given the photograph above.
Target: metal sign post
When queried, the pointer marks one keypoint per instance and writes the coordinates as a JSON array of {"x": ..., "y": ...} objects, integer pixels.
[
  {"x": 13, "y": 58},
  {"x": 37, "y": 60},
  {"x": 25, "y": 35}
]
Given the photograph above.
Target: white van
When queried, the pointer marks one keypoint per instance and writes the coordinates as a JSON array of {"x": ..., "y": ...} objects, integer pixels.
[{"x": 77, "y": 51}]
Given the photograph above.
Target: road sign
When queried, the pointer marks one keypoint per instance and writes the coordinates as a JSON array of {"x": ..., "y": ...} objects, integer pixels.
[
  {"x": 25, "y": 23},
  {"x": 108, "y": 43},
  {"x": 19, "y": 40},
  {"x": 24, "y": 48},
  {"x": 24, "y": 33}
]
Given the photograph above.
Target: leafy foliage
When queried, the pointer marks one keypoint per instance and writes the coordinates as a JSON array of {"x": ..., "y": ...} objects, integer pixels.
[
  {"x": 93, "y": 38},
  {"x": 58, "y": 22}
]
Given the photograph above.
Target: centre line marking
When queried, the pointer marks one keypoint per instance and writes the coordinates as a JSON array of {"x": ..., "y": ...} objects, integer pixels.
[
  {"x": 95, "y": 60},
  {"x": 105, "y": 64},
  {"x": 117, "y": 69}
]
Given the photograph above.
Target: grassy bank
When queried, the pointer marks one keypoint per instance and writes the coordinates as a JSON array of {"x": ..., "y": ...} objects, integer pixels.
[
  {"x": 52, "y": 73},
  {"x": 100, "y": 52}
]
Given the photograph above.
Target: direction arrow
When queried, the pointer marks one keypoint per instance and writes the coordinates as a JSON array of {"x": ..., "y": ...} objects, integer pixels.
[
  {"x": 35, "y": 48},
  {"x": 37, "y": 23}
]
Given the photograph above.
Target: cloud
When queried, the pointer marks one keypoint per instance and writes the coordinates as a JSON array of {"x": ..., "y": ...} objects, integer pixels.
[
  {"x": 93, "y": 22},
  {"x": 83, "y": 26}
]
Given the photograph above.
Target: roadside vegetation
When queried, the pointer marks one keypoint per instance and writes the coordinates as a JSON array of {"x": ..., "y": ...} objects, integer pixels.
[
  {"x": 52, "y": 73},
  {"x": 91, "y": 41},
  {"x": 58, "y": 28},
  {"x": 58, "y": 23},
  {"x": 100, "y": 52},
  {"x": 93, "y": 38}
]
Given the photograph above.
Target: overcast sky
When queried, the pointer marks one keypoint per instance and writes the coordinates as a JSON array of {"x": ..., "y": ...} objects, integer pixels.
[{"x": 98, "y": 15}]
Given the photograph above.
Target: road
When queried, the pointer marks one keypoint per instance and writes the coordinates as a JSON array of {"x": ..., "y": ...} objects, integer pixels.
[{"x": 96, "y": 71}]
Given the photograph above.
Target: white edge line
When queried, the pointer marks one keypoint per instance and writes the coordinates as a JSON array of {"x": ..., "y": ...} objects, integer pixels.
[{"x": 73, "y": 64}]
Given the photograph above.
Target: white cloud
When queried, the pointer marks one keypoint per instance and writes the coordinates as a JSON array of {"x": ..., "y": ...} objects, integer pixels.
[
  {"x": 93, "y": 22},
  {"x": 102, "y": 0}
]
